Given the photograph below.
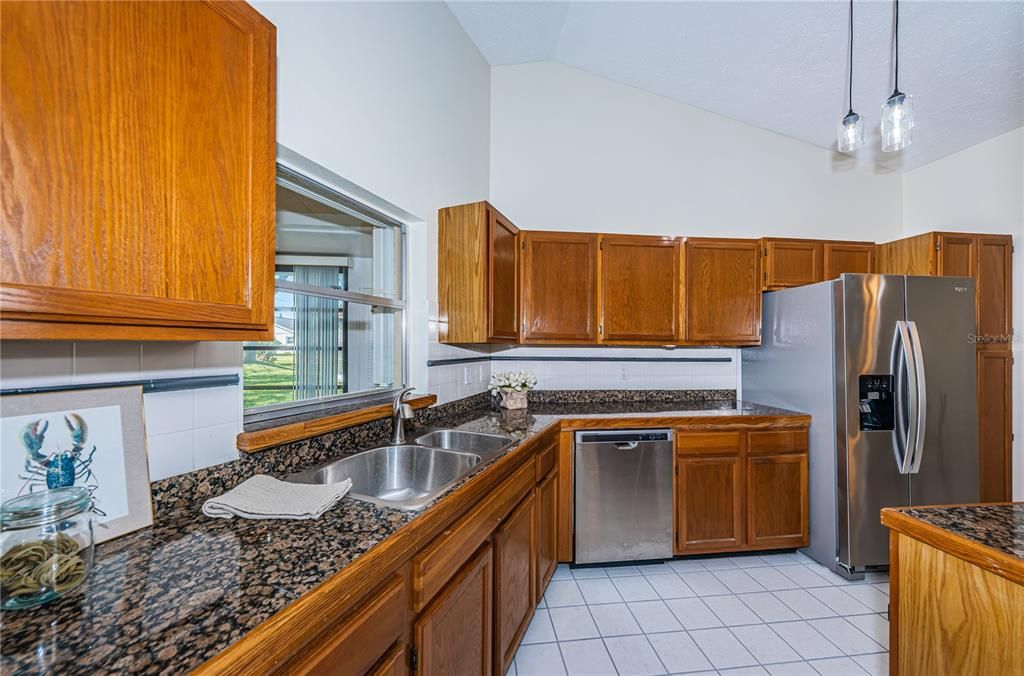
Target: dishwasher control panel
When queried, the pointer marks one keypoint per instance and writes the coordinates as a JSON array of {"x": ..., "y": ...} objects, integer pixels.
[{"x": 619, "y": 437}]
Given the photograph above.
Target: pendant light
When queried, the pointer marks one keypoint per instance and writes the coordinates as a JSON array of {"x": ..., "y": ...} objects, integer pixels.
[
  {"x": 851, "y": 129},
  {"x": 898, "y": 110}
]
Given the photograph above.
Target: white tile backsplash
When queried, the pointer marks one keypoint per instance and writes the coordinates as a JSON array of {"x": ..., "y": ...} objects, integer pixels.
[
  {"x": 169, "y": 411},
  {"x": 214, "y": 445},
  {"x": 185, "y": 430},
  {"x": 169, "y": 454},
  {"x": 217, "y": 405}
]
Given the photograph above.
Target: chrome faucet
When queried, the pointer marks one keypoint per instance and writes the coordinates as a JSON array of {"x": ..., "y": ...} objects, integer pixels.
[{"x": 399, "y": 413}]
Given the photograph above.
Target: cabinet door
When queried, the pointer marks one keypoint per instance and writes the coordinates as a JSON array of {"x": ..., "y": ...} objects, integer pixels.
[
  {"x": 515, "y": 556},
  {"x": 138, "y": 173},
  {"x": 723, "y": 291},
  {"x": 995, "y": 386},
  {"x": 994, "y": 279},
  {"x": 791, "y": 263},
  {"x": 502, "y": 279},
  {"x": 709, "y": 503},
  {"x": 559, "y": 287},
  {"x": 547, "y": 531},
  {"x": 367, "y": 636},
  {"x": 777, "y": 500},
  {"x": 639, "y": 289},
  {"x": 453, "y": 635},
  {"x": 956, "y": 255},
  {"x": 843, "y": 257}
]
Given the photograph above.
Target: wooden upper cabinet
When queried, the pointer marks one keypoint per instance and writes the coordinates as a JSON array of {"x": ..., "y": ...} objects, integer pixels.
[
  {"x": 138, "y": 173},
  {"x": 908, "y": 256},
  {"x": 840, "y": 257},
  {"x": 502, "y": 279},
  {"x": 478, "y": 275},
  {"x": 559, "y": 271},
  {"x": 723, "y": 291},
  {"x": 791, "y": 262},
  {"x": 994, "y": 290},
  {"x": 640, "y": 289},
  {"x": 957, "y": 255}
]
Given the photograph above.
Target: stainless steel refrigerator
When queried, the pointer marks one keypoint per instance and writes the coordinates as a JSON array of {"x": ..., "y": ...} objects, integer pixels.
[{"x": 885, "y": 365}]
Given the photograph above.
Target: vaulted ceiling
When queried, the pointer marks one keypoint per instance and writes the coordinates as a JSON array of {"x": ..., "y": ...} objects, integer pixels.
[{"x": 782, "y": 66}]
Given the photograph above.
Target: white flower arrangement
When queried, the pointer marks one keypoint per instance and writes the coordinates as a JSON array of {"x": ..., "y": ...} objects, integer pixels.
[{"x": 512, "y": 382}]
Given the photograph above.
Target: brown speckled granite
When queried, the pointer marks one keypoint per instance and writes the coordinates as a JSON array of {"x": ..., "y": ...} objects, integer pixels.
[
  {"x": 566, "y": 396},
  {"x": 1000, "y": 527},
  {"x": 169, "y": 597}
]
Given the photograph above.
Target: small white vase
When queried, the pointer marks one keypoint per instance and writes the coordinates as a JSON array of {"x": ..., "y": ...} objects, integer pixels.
[{"x": 513, "y": 400}]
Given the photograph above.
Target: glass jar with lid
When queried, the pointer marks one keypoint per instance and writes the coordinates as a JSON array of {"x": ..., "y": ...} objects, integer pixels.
[{"x": 46, "y": 546}]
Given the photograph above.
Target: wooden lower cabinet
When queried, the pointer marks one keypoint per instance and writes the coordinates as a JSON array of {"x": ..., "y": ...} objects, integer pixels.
[
  {"x": 740, "y": 490},
  {"x": 777, "y": 501},
  {"x": 547, "y": 531},
  {"x": 364, "y": 638},
  {"x": 454, "y": 634},
  {"x": 393, "y": 663},
  {"x": 515, "y": 549},
  {"x": 709, "y": 506}
]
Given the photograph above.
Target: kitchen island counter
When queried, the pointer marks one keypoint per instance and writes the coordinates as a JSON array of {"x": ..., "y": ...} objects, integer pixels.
[{"x": 957, "y": 589}]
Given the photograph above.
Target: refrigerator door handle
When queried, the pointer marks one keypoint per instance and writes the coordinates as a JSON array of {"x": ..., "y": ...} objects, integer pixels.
[
  {"x": 920, "y": 419},
  {"x": 904, "y": 436}
]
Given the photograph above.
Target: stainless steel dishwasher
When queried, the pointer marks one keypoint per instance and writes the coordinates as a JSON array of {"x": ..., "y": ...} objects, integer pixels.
[{"x": 623, "y": 495}]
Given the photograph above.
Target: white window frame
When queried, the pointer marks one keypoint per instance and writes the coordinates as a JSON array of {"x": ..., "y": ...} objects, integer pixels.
[{"x": 302, "y": 182}]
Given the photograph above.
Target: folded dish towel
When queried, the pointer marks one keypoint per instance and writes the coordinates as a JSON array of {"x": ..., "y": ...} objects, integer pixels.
[{"x": 264, "y": 497}]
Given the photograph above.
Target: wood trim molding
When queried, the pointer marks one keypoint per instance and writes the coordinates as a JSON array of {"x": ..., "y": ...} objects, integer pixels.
[
  {"x": 972, "y": 552},
  {"x": 251, "y": 442}
]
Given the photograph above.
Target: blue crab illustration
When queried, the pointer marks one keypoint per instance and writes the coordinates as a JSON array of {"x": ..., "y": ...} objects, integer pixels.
[{"x": 60, "y": 468}]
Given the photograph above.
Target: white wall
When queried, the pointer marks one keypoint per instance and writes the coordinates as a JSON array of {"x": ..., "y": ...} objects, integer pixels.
[
  {"x": 573, "y": 151},
  {"x": 394, "y": 97},
  {"x": 980, "y": 189}
]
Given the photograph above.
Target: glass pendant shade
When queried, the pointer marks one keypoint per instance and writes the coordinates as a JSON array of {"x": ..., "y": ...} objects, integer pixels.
[
  {"x": 897, "y": 122},
  {"x": 851, "y": 133}
]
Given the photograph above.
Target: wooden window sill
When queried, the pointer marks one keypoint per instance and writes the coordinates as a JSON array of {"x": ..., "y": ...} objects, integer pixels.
[{"x": 259, "y": 440}]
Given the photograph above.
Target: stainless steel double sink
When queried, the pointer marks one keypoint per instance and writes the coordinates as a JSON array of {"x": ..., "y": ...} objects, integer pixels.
[{"x": 409, "y": 476}]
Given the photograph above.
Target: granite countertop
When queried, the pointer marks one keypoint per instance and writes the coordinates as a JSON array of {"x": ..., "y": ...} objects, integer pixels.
[
  {"x": 172, "y": 596},
  {"x": 1000, "y": 527}
]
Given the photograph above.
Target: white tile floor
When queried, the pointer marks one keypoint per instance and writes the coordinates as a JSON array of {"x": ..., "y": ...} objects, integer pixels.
[{"x": 779, "y": 614}]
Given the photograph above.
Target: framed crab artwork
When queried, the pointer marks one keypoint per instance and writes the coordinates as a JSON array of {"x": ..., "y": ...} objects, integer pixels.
[{"x": 90, "y": 438}]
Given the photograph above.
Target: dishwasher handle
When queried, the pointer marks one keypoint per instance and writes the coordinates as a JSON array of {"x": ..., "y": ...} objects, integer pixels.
[{"x": 626, "y": 445}]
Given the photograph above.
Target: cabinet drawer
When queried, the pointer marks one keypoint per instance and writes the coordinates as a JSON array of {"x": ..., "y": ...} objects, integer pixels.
[
  {"x": 546, "y": 461},
  {"x": 436, "y": 564},
  {"x": 708, "y": 443},
  {"x": 364, "y": 638},
  {"x": 780, "y": 441}
]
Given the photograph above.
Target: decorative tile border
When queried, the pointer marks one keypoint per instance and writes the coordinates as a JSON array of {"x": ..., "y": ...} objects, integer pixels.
[{"x": 603, "y": 396}]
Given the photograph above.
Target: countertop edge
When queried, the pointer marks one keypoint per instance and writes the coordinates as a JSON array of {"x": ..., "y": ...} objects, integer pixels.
[{"x": 983, "y": 556}]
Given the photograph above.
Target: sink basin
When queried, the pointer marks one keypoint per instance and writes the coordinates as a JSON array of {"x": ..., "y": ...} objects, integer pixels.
[
  {"x": 402, "y": 477},
  {"x": 466, "y": 442}
]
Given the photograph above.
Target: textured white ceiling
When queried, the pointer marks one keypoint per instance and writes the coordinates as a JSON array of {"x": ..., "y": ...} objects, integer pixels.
[{"x": 782, "y": 65}]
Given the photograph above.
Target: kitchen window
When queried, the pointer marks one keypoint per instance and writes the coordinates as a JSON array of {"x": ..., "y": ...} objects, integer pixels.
[{"x": 339, "y": 306}]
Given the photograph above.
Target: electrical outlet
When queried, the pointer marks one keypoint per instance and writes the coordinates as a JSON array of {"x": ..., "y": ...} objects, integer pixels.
[
  {"x": 622, "y": 374},
  {"x": 480, "y": 373},
  {"x": 467, "y": 377}
]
